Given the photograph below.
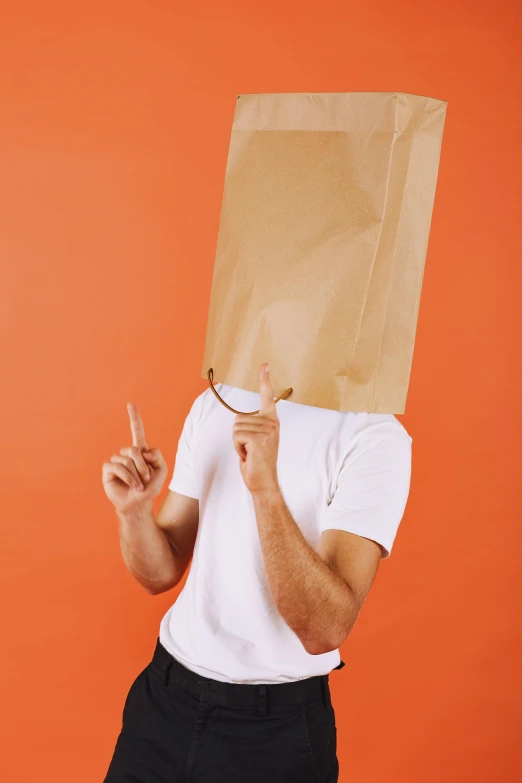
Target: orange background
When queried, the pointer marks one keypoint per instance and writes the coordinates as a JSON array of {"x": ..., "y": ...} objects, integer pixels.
[{"x": 115, "y": 121}]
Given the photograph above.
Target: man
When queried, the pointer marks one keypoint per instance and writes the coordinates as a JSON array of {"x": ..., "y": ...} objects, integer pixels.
[{"x": 286, "y": 516}]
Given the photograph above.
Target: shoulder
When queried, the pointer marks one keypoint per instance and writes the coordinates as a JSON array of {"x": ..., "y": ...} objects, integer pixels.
[
  {"x": 382, "y": 454},
  {"x": 357, "y": 428},
  {"x": 378, "y": 443},
  {"x": 380, "y": 427}
]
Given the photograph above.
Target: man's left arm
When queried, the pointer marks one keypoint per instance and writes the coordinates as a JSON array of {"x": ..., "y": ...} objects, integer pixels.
[{"x": 319, "y": 594}]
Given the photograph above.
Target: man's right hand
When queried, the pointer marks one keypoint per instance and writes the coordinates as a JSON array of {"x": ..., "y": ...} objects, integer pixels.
[{"x": 134, "y": 476}]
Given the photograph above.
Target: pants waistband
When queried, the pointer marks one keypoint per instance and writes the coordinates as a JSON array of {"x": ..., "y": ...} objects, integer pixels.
[{"x": 240, "y": 694}]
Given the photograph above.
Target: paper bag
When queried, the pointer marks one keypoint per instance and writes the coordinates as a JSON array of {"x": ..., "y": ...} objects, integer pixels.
[{"x": 321, "y": 247}]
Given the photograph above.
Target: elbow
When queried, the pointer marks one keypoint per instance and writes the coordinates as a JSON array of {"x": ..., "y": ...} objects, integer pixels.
[
  {"x": 316, "y": 646},
  {"x": 161, "y": 583},
  {"x": 152, "y": 590},
  {"x": 331, "y": 638},
  {"x": 156, "y": 589},
  {"x": 319, "y": 648}
]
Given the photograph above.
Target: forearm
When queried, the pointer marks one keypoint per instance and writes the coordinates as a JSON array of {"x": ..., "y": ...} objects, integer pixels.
[
  {"x": 146, "y": 550},
  {"x": 313, "y": 600}
]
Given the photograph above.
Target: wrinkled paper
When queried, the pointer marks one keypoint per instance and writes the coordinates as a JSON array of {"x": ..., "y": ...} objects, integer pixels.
[{"x": 321, "y": 247}]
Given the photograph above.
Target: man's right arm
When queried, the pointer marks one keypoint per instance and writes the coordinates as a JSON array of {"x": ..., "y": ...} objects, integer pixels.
[{"x": 157, "y": 551}]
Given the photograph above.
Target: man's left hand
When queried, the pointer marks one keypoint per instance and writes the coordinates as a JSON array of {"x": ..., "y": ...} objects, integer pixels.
[{"x": 256, "y": 440}]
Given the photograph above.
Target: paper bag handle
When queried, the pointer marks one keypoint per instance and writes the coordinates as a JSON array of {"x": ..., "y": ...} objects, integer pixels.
[{"x": 210, "y": 376}]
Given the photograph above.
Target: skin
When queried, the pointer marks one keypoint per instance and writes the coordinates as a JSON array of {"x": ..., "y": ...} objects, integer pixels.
[
  {"x": 156, "y": 550},
  {"x": 318, "y": 593}
]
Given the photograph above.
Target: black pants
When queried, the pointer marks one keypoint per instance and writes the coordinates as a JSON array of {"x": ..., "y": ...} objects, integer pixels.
[{"x": 179, "y": 727}]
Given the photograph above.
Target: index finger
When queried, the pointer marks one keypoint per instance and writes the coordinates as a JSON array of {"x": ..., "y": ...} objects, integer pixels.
[
  {"x": 267, "y": 406},
  {"x": 138, "y": 433}
]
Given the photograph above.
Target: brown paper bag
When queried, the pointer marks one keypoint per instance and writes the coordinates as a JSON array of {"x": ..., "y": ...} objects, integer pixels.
[{"x": 322, "y": 241}]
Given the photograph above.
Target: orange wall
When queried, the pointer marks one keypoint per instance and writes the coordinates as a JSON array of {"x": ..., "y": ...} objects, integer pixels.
[{"x": 114, "y": 128}]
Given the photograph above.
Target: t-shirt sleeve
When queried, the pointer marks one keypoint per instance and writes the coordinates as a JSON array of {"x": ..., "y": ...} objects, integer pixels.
[
  {"x": 372, "y": 487},
  {"x": 184, "y": 475}
]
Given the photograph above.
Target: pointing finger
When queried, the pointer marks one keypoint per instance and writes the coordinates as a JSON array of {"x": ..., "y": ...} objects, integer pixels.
[
  {"x": 267, "y": 406},
  {"x": 138, "y": 433}
]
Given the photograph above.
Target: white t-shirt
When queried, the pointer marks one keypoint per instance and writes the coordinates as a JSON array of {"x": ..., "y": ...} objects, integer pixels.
[{"x": 342, "y": 470}]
